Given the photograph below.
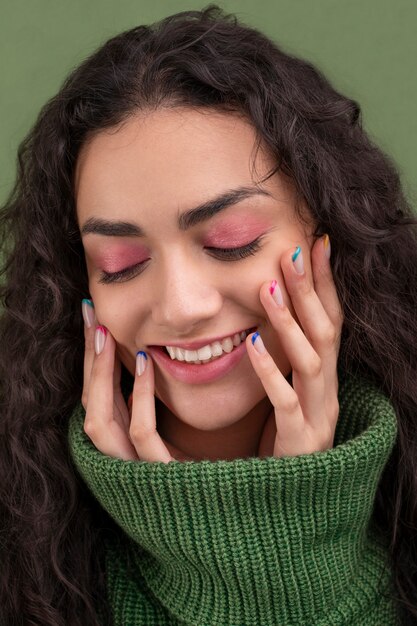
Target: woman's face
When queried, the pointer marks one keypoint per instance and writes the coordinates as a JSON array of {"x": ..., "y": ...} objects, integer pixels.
[{"x": 151, "y": 172}]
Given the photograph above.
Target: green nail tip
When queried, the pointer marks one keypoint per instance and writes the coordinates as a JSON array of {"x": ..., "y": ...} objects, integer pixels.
[
  {"x": 89, "y": 302},
  {"x": 296, "y": 253}
]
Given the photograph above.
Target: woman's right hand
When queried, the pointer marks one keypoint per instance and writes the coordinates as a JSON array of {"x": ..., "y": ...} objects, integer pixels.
[{"x": 113, "y": 428}]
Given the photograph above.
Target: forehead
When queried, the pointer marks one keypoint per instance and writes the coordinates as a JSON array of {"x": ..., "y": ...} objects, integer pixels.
[
  {"x": 191, "y": 131},
  {"x": 181, "y": 153}
]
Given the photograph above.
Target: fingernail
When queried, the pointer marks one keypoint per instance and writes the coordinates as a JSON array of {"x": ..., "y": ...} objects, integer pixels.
[
  {"x": 141, "y": 359},
  {"x": 275, "y": 292},
  {"x": 258, "y": 344},
  {"x": 100, "y": 338},
  {"x": 297, "y": 259},
  {"x": 327, "y": 247},
  {"x": 87, "y": 308}
]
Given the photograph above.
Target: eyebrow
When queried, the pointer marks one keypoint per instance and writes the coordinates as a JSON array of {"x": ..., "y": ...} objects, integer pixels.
[{"x": 201, "y": 213}]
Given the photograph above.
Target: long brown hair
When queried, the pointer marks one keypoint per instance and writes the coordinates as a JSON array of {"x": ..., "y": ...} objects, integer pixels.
[{"x": 52, "y": 570}]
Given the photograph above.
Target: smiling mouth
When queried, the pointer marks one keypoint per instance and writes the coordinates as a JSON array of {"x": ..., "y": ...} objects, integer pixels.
[{"x": 193, "y": 357}]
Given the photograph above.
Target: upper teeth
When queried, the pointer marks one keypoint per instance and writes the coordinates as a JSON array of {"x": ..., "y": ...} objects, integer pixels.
[{"x": 206, "y": 353}]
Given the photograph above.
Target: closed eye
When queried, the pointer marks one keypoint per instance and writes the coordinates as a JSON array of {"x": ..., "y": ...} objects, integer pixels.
[
  {"x": 233, "y": 254},
  {"x": 115, "y": 277},
  {"x": 224, "y": 254}
]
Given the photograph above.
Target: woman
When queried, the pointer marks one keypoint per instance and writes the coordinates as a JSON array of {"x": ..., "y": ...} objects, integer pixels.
[{"x": 233, "y": 442}]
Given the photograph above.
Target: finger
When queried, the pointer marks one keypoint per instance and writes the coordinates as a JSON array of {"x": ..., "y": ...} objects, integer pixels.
[
  {"x": 325, "y": 288},
  {"x": 324, "y": 284},
  {"x": 143, "y": 433},
  {"x": 175, "y": 453},
  {"x": 319, "y": 329},
  {"x": 105, "y": 432},
  {"x": 307, "y": 375},
  {"x": 309, "y": 310},
  {"x": 289, "y": 417},
  {"x": 88, "y": 313}
]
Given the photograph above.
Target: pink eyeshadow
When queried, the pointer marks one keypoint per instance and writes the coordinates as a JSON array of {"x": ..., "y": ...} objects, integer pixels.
[
  {"x": 235, "y": 232},
  {"x": 119, "y": 257}
]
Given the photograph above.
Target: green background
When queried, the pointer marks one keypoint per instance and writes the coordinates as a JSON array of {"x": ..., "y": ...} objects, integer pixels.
[{"x": 367, "y": 48}]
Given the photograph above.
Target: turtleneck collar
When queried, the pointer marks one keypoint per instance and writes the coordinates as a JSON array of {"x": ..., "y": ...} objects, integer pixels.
[{"x": 255, "y": 541}]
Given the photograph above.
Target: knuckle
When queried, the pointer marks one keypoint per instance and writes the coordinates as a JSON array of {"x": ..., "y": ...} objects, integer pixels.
[
  {"x": 337, "y": 314},
  {"x": 140, "y": 434},
  {"x": 300, "y": 286},
  {"x": 291, "y": 403},
  {"x": 304, "y": 287},
  {"x": 314, "y": 366},
  {"x": 287, "y": 322},
  {"x": 327, "y": 436},
  {"x": 90, "y": 428},
  {"x": 329, "y": 335}
]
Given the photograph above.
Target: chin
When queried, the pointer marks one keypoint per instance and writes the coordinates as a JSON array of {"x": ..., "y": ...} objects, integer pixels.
[{"x": 213, "y": 409}]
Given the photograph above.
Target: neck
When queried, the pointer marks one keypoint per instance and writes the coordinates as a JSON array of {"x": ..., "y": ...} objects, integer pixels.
[{"x": 238, "y": 440}]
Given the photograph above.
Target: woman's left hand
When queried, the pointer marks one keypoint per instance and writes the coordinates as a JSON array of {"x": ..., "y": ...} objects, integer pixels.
[{"x": 306, "y": 413}]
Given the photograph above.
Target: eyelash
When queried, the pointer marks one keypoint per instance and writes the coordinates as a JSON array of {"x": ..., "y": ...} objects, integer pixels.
[{"x": 225, "y": 254}]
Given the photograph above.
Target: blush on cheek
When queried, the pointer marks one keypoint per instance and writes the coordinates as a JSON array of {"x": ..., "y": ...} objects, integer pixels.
[
  {"x": 117, "y": 258},
  {"x": 235, "y": 232}
]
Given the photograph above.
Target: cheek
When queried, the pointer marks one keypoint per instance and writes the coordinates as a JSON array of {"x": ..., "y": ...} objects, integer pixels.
[
  {"x": 244, "y": 287},
  {"x": 117, "y": 313}
]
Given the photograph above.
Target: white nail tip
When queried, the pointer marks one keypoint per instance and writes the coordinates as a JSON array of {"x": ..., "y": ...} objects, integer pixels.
[
  {"x": 259, "y": 346},
  {"x": 140, "y": 364},
  {"x": 99, "y": 340},
  {"x": 88, "y": 314}
]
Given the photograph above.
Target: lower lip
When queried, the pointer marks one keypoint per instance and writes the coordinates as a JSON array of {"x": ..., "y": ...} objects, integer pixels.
[{"x": 195, "y": 374}]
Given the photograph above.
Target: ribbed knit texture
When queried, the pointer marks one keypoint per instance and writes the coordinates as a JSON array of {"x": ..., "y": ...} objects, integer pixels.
[{"x": 251, "y": 542}]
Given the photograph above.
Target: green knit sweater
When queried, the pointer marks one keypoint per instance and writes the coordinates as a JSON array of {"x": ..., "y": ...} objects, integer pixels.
[{"x": 251, "y": 542}]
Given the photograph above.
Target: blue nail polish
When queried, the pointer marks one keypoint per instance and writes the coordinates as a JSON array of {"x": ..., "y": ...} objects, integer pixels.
[
  {"x": 296, "y": 253},
  {"x": 87, "y": 301},
  {"x": 258, "y": 344},
  {"x": 141, "y": 359},
  {"x": 297, "y": 259}
]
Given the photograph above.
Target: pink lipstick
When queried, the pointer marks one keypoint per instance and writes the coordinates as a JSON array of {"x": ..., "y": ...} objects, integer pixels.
[{"x": 198, "y": 373}]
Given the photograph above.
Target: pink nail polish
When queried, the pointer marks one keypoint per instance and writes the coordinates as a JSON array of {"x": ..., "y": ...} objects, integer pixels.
[
  {"x": 276, "y": 293},
  {"x": 100, "y": 338}
]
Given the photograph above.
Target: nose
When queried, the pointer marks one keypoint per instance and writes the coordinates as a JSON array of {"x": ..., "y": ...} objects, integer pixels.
[{"x": 186, "y": 296}]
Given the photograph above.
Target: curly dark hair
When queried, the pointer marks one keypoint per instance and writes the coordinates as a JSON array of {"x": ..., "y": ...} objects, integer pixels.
[{"x": 52, "y": 566}]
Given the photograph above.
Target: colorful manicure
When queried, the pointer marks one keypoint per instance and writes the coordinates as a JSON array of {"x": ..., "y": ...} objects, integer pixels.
[
  {"x": 297, "y": 259},
  {"x": 100, "y": 338},
  {"x": 257, "y": 343},
  {"x": 275, "y": 292},
  {"x": 87, "y": 308},
  {"x": 141, "y": 358},
  {"x": 327, "y": 247}
]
